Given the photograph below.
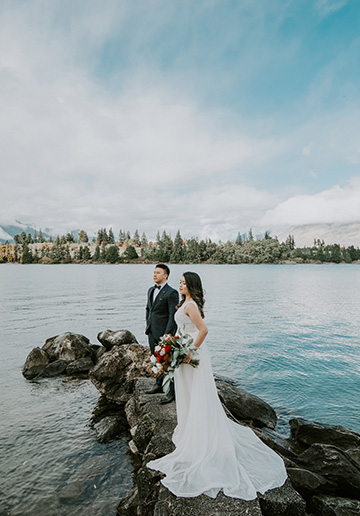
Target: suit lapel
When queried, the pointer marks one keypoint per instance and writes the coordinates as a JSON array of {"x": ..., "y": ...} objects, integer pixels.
[{"x": 160, "y": 295}]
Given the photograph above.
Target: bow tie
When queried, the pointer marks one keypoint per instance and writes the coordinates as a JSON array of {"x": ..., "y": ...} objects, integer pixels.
[{"x": 157, "y": 286}]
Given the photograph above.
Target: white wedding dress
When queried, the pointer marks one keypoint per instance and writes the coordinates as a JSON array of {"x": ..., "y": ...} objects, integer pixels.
[{"x": 212, "y": 452}]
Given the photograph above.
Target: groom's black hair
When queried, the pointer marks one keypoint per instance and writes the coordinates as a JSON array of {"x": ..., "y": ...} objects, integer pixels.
[{"x": 163, "y": 266}]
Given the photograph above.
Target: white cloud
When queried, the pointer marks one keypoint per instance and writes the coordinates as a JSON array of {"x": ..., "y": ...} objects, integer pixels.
[
  {"x": 338, "y": 204},
  {"x": 73, "y": 156},
  {"x": 142, "y": 154}
]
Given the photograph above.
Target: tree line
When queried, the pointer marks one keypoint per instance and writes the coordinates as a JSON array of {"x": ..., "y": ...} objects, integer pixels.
[{"x": 105, "y": 248}]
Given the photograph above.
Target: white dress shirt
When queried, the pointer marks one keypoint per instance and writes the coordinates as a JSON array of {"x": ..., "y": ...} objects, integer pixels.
[{"x": 157, "y": 291}]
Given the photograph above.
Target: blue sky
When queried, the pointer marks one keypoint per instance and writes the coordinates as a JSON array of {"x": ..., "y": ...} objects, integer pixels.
[{"x": 209, "y": 116}]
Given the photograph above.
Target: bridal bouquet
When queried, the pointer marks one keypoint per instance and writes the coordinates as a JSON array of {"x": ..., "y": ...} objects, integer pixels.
[{"x": 169, "y": 355}]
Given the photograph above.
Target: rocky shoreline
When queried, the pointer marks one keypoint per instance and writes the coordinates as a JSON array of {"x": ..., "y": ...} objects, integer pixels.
[{"x": 322, "y": 461}]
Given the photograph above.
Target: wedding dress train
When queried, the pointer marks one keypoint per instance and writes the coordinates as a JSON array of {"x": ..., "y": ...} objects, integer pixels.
[{"x": 212, "y": 452}]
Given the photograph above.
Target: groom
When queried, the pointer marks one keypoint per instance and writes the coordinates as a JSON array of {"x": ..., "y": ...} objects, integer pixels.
[{"x": 160, "y": 309}]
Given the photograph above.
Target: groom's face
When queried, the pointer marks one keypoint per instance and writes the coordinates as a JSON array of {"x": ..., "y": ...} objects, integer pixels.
[{"x": 160, "y": 276}]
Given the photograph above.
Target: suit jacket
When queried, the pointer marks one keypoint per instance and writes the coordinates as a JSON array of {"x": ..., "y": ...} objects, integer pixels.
[{"x": 160, "y": 314}]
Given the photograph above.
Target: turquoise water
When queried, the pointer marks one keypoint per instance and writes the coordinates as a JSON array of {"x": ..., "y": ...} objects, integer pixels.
[{"x": 289, "y": 334}]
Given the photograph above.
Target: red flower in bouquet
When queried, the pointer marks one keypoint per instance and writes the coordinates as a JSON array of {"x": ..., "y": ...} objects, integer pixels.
[{"x": 169, "y": 355}]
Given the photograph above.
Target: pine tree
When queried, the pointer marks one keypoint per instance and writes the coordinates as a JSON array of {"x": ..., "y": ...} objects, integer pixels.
[
  {"x": 144, "y": 245},
  {"x": 122, "y": 236},
  {"x": 239, "y": 240},
  {"x": 96, "y": 255},
  {"x": 192, "y": 251},
  {"x": 112, "y": 254},
  {"x": 26, "y": 254},
  {"x": 136, "y": 237},
  {"x": 130, "y": 253},
  {"x": 67, "y": 255},
  {"x": 111, "y": 239},
  {"x": 40, "y": 237},
  {"x": 103, "y": 252},
  {"x": 177, "y": 254},
  {"x": 164, "y": 248},
  {"x": 335, "y": 253},
  {"x": 86, "y": 253}
]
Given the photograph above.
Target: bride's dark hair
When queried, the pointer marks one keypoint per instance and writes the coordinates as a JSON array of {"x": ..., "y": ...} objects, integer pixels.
[{"x": 194, "y": 286}]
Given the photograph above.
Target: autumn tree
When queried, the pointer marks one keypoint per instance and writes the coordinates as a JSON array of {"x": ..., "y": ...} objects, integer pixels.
[{"x": 83, "y": 236}]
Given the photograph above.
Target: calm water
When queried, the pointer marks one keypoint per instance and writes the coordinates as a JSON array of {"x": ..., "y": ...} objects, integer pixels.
[{"x": 289, "y": 334}]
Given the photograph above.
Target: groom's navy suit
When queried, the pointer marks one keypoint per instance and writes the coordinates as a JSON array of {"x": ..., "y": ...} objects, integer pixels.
[{"x": 160, "y": 314}]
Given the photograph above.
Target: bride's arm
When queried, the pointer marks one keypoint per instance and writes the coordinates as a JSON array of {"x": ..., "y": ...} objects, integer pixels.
[{"x": 193, "y": 312}]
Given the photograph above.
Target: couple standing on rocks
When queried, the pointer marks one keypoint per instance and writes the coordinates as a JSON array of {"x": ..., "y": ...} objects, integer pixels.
[{"x": 212, "y": 452}]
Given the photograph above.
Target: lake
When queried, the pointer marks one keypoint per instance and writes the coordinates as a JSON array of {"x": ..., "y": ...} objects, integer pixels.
[{"x": 287, "y": 333}]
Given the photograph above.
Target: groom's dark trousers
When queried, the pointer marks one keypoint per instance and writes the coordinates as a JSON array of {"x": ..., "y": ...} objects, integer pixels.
[{"x": 160, "y": 317}]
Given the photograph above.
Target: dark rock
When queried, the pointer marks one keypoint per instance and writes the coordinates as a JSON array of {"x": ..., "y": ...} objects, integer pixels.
[
  {"x": 151, "y": 424},
  {"x": 335, "y": 466},
  {"x": 82, "y": 365},
  {"x": 108, "y": 428},
  {"x": 306, "y": 482},
  {"x": 147, "y": 482},
  {"x": 246, "y": 407},
  {"x": 354, "y": 453},
  {"x": 116, "y": 369},
  {"x": 68, "y": 347},
  {"x": 104, "y": 407},
  {"x": 170, "y": 505},
  {"x": 282, "y": 501},
  {"x": 98, "y": 351},
  {"x": 308, "y": 433},
  {"x": 53, "y": 369},
  {"x": 35, "y": 363},
  {"x": 129, "y": 505},
  {"x": 333, "y": 506},
  {"x": 109, "y": 338},
  {"x": 278, "y": 443},
  {"x": 99, "y": 354}
]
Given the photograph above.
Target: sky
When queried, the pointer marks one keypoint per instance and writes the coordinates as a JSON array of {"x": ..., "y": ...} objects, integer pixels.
[{"x": 211, "y": 117}]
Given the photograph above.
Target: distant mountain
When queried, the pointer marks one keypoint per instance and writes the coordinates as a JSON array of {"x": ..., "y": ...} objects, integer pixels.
[
  {"x": 344, "y": 234},
  {"x": 7, "y": 232}
]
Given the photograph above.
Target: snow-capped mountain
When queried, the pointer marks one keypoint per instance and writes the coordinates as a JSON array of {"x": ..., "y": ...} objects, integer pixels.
[
  {"x": 8, "y": 231},
  {"x": 344, "y": 234}
]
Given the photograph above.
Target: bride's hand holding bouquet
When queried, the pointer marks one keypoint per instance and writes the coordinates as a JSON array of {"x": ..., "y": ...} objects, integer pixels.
[{"x": 170, "y": 353}]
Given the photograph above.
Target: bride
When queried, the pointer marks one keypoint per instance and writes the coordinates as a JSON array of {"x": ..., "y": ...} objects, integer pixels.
[{"x": 212, "y": 452}]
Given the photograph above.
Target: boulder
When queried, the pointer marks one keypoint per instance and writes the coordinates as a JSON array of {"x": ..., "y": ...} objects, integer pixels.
[
  {"x": 338, "y": 469},
  {"x": 246, "y": 407},
  {"x": 306, "y": 482},
  {"x": 116, "y": 369},
  {"x": 108, "y": 428},
  {"x": 308, "y": 433},
  {"x": 282, "y": 501},
  {"x": 53, "y": 369},
  {"x": 150, "y": 427},
  {"x": 333, "y": 506},
  {"x": 68, "y": 347},
  {"x": 80, "y": 366},
  {"x": 109, "y": 338},
  {"x": 280, "y": 444},
  {"x": 35, "y": 363}
]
